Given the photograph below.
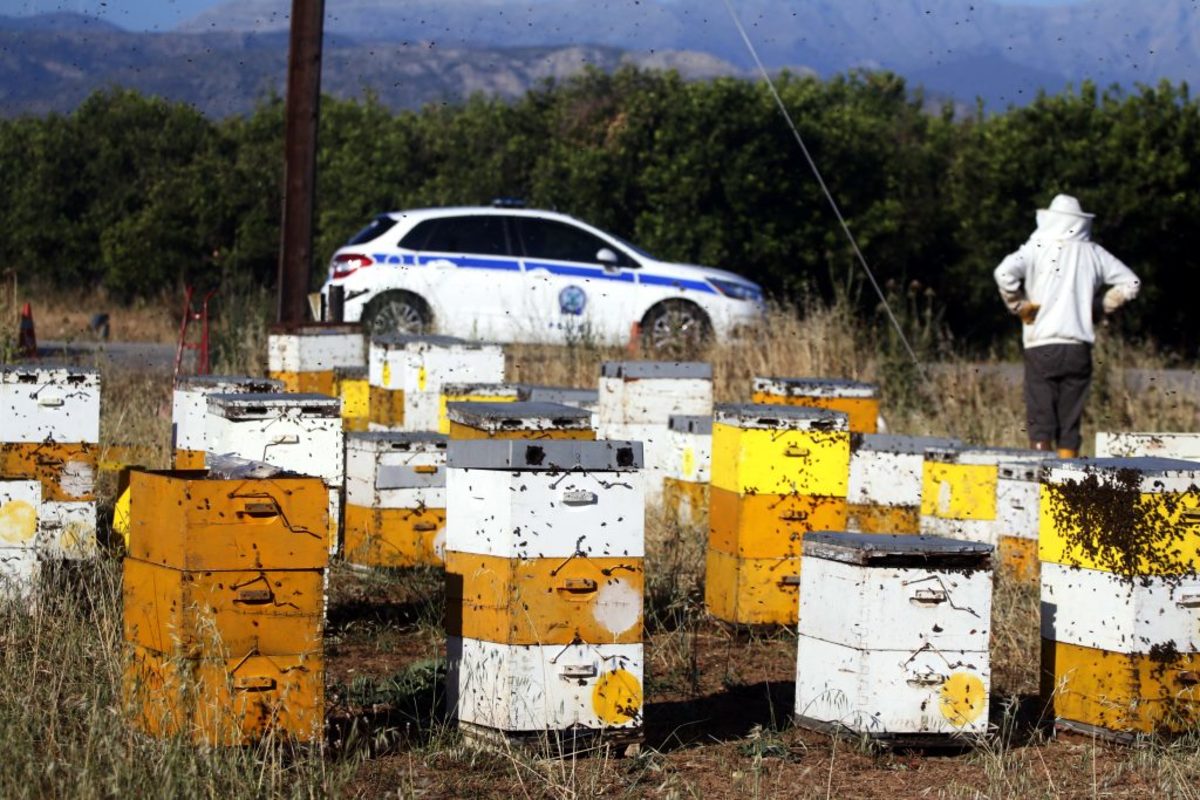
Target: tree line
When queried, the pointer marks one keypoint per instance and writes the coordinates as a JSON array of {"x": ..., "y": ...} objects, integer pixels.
[{"x": 140, "y": 195}]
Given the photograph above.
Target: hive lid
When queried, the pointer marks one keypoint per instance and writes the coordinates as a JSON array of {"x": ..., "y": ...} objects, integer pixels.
[
  {"x": 890, "y": 550},
  {"x": 400, "y": 341},
  {"x": 260, "y": 405},
  {"x": 1020, "y": 470},
  {"x": 691, "y": 424},
  {"x": 481, "y": 389},
  {"x": 402, "y": 441},
  {"x": 545, "y": 455},
  {"x": 985, "y": 456},
  {"x": 815, "y": 387},
  {"x": 316, "y": 329},
  {"x": 777, "y": 417},
  {"x": 47, "y": 371},
  {"x": 639, "y": 370},
  {"x": 228, "y": 384},
  {"x": 519, "y": 416},
  {"x": 905, "y": 445},
  {"x": 350, "y": 373},
  {"x": 567, "y": 395},
  {"x": 1149, "y": 474}
]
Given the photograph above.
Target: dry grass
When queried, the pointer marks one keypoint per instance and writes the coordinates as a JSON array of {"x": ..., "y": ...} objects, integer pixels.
[{"x": 718, "y": 702}]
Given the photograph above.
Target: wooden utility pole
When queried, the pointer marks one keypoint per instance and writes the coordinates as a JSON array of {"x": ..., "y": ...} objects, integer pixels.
[{"x": 300, "y": 169}]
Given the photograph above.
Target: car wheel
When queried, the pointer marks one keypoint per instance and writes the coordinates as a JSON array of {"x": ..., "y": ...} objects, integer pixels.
[
  {"x": 675, "y": 328},
  {"x": 397, "y": 312}
]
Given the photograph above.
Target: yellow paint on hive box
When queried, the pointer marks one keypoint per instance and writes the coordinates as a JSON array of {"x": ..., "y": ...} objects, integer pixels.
[
  {"x": 386, "y": 406},
  {"x": 863, "y": 412},
  {"x": 870, "y": 518},
  {"x": 66, "y": 471},
  {"x": 187, "y": 520},
  {"x": 544, "y": 600},
  {"x": 752, "y": 591},
  {"x": 316, "y": 382},
  {"x": 394, "y": 537},
  {"x": 687, "y": 501},
  {"x": 756, "y": 461},
  {"x": 356, "y": 403},
  {"x": 18, "y": 523},
  {"x": 226, "y": 702},
  {"x": 959, "y": 491},
  {"x": 223, "y": 614},
  {"x": 769, "y": 525},
  {"x": 1159, "y": 533},
  {"x": 1019, "y": 558},
  {"x": 1119, "y": 692},
  {"x": 189, "y": 459}
]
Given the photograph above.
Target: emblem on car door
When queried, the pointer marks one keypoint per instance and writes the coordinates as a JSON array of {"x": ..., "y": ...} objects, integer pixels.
[{"x": 572, "y": 300}]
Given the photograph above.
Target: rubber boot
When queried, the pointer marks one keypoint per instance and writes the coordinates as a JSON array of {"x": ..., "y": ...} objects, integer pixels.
[
  {"x": 1040, "y": 444},
  {"x": 1066, "y": 452}
]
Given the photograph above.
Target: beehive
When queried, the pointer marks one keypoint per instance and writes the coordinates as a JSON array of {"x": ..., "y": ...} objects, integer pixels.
[
  {"x": 395, "y": 499},
  {"x": 519, "y": 420},
  {"x": 884, "y": 493},
  {"x": 1119, "y": 541},
  {"x": 1017, "y": 493},
  {"x": 20, "y": 501},
  {"x": 685, "y": 482},
  {"x": 189, "y": 410},
  {"x": 494, "y": 393},
  {"x": 958, "y": 489},
  {"x": 305, "y": 356},
  {"x": 545, "y": 575},
  {"x": 351, "y": 387},
  {"x": 51, "y": 434},
  {"x": 587, "y": 399},
  {"x": 407, "y": 373},
  {"x": 778, "y": 472},
  {"x": 1184, "y": 446},
  {"x": 905, "y": 658},
  {"x": 297, "y": 432},
  {"x": 637, "y": 400},
  {"x": 224, "y": 605},
  {"x": 857, "y": 400}
]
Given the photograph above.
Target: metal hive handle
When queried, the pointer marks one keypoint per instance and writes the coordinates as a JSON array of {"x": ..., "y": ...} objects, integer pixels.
[
  {"x": 929, "y": 597},
  {"x": 796, "y": 451},
  {"x": 570, "y": 671},
  {"x": 254, "y": 683}
]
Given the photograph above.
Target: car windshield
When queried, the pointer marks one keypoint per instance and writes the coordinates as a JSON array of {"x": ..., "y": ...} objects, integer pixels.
[{"x": 377, "y": 227}]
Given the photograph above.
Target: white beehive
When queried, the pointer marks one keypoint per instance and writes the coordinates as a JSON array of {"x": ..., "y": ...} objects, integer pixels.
[
  {"x": 905, "y": 657},
  {"x": 395, "y": 469},
  {"x": 419, "y": 367},
  {"x": 189, "y": 404},
  {"x": 301, "y": 433},
  {"x": 1016, "y": 533},
  {"x": 67, "y": 530},
  {"x": 690, "y": 448},
  {"x": 651, "y": 392},
  {"x": 544, "y": 555},
  {"x": 48, "y": 403},
  {"x": 1185, "y": 446},
  {"x": 884, "y": 493},
  {"x": 20, "y": 501},
  {"x": 311, "y": 348},
  {"x": 959, "y": 489}
]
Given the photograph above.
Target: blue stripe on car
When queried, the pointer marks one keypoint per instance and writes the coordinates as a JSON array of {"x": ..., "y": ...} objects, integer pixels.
[
  {"x": 579, "y": 272},
  {"x": 678, "y": 283}
]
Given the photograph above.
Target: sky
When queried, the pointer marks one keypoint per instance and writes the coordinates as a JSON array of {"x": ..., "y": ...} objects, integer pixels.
[{"x": 163, "y": 15}]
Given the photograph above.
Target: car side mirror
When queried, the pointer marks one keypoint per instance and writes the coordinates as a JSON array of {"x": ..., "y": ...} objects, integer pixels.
[{"x": 608, "y": 258}]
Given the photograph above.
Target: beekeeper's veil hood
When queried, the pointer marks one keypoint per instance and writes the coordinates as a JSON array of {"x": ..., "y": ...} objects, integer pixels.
[{"x": 1064, "y": 220}]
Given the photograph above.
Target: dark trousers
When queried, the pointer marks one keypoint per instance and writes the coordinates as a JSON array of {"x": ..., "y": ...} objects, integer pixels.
[{"x": 1057, "y": 377}]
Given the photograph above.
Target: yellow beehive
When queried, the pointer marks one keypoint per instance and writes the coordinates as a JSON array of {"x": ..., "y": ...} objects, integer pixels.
[
  {"x": 350, "y": 384},
  {"x": 1119, "y": 543},
  {"x": 857, "y": 400},
  {"x": 227, "y": 702},
  {"x": 778, "y": 472},
  {"x": 519, "y": 420}
]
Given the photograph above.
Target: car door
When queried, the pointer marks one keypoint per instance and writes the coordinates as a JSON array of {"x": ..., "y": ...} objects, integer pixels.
[
  {"x": 474, "y": 278},
  {"x": 574, "y": 295}
]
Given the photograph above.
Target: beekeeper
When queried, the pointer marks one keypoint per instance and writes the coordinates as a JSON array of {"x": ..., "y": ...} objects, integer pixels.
[{"x": 1051, "y": 283}]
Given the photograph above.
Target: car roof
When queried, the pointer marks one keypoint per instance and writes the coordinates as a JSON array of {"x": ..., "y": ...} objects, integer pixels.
[{"x": 417, "y": 214}]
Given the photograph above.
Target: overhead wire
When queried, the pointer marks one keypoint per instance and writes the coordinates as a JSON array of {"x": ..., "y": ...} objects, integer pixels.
[{"x": 825, "y": 189}]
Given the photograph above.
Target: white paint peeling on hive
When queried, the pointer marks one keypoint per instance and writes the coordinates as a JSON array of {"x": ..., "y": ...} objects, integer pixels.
[{"x": 618, "y": 606}]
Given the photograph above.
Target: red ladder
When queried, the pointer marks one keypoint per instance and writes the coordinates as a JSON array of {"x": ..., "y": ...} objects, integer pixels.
[{"x": 190, "y": 315}]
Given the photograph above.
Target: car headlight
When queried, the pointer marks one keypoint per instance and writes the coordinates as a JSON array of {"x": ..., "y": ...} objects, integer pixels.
[{"x": 738, "y": 291}]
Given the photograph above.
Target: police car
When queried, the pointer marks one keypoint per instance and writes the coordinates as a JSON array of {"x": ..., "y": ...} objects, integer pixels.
[{"x": 508, "y": 274}]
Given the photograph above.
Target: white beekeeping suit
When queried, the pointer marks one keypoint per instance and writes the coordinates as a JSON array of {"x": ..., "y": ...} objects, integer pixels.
[{"x": 1053, "y": 278}]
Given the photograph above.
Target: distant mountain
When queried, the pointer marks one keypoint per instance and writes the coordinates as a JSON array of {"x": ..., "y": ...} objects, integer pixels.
[
  {"x": 223, "y": 73},
  {"x": 418, "y": 51}
]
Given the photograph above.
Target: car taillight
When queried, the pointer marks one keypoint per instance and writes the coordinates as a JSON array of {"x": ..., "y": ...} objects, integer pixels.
[{"x": 346, "y": 263}]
